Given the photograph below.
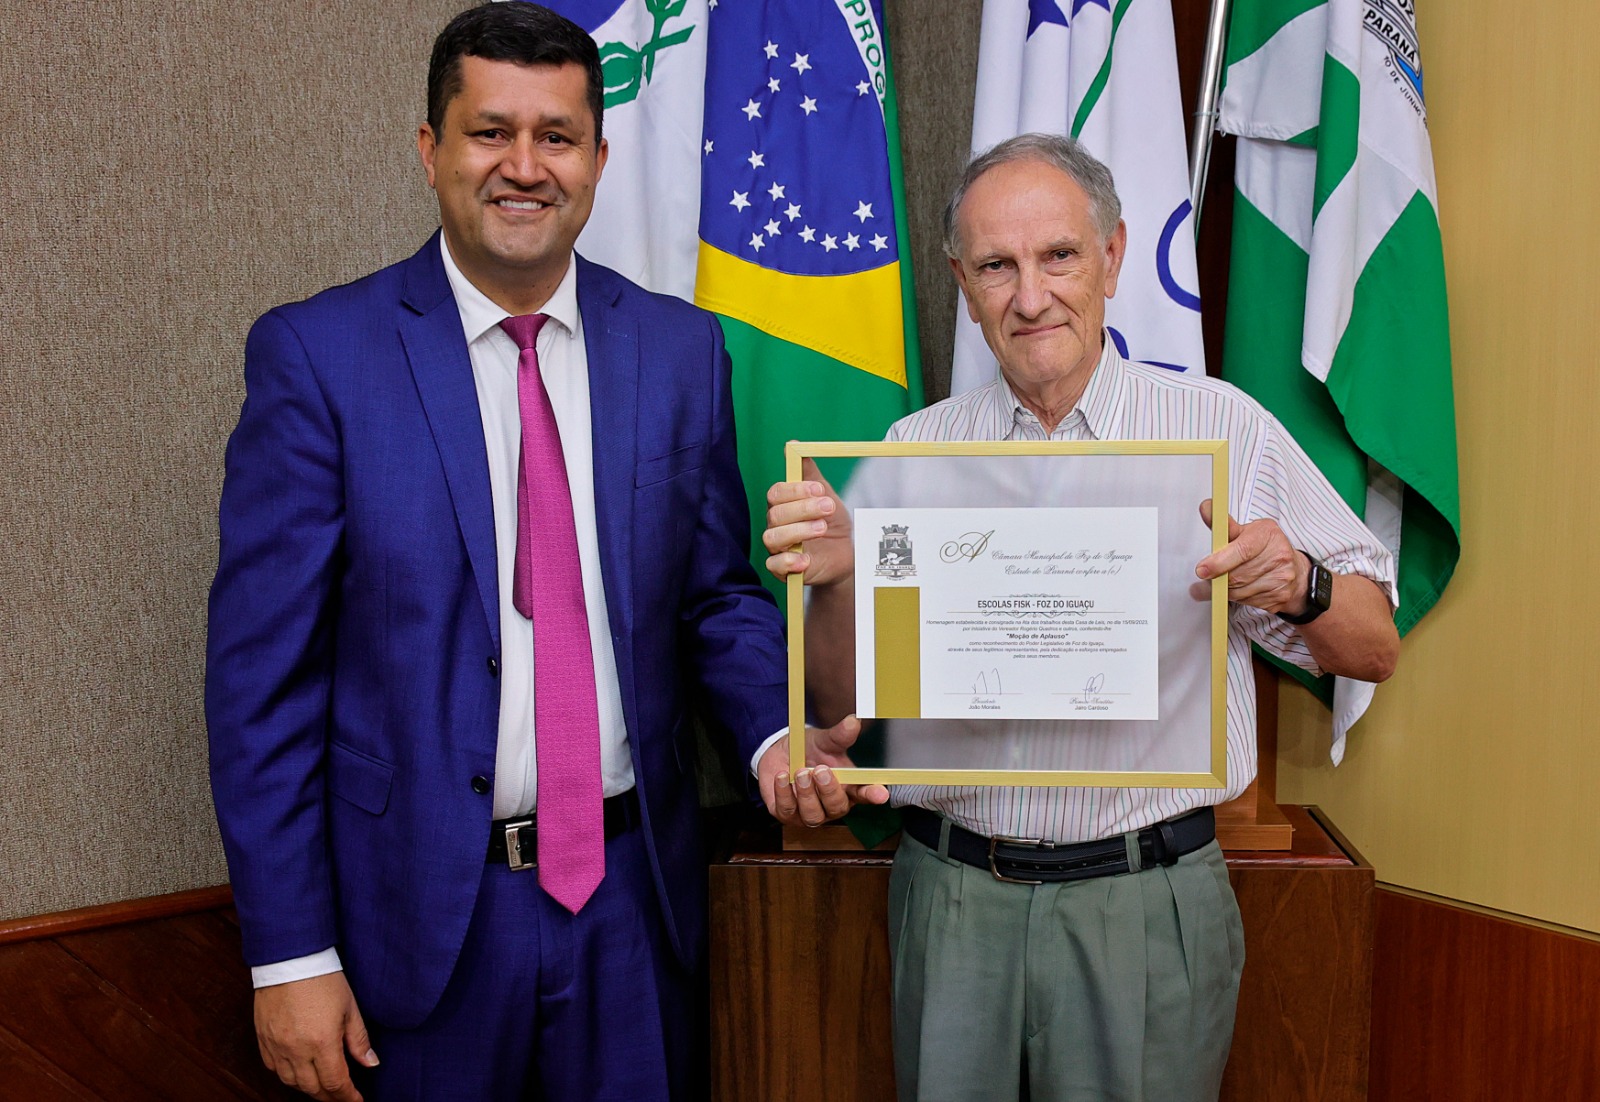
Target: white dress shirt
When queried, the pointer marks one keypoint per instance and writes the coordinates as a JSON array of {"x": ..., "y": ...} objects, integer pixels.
[
  {"x": 564, "y": 367},
  {"x": 1268, "y": 476}
]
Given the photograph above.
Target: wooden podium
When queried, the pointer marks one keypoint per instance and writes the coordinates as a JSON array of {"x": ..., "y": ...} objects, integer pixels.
[
  {"x": 800, "y": 959},
  {"x": 800, "y": 973},
  {"x": 1254, "y": 821}
]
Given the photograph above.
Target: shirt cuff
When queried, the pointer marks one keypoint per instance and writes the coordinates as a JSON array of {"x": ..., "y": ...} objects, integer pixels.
[
  {"x": 300, "y": 968},
  {"x": 765, "y": 746}
]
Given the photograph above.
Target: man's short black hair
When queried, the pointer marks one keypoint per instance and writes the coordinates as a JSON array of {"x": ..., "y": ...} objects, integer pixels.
[{"x": 524, "y": 33}]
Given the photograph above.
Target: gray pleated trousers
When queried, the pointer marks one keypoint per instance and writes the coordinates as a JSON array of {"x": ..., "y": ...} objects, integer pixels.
[{"x": 1120, "y": 988}]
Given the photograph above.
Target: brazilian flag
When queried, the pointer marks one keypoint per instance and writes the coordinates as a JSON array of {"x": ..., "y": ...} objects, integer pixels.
[{"x": 803, "y": 247}]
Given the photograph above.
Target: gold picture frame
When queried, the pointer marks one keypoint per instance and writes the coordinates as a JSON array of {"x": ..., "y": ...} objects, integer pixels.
[{"x": 1212, "y": 775}]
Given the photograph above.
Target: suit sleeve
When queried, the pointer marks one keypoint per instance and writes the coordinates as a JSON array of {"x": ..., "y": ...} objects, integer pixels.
[
  {"x": 269, "y": 652},
  {"x": 734, "y": 632}
]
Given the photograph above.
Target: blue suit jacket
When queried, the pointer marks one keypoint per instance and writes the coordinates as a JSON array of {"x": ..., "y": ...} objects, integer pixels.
[{"x": 351, "y": 694}]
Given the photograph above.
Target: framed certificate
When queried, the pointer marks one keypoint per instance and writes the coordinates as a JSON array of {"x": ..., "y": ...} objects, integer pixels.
[{"x": 1027, "y": 613}]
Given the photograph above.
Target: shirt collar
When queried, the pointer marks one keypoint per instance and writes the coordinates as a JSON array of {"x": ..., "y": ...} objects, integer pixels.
[
  {"x": 1100, "y": 403},
  {"x": 480, "y": 314},
  {"x": 995, "y": 411}
]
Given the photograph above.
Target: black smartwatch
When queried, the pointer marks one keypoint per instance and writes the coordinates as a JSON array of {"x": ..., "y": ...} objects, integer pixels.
[{"x": 1319, "y": 593}]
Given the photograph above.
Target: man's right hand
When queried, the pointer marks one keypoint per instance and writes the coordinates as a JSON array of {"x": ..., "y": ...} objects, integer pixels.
[
  {"x": 808, "y": 512},
  {"x": 304, "y": 1029},
  {"x": 815, "y": 796}
]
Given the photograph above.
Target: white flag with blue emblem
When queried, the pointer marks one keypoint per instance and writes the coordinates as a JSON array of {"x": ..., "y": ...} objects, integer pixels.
[
  {"x": 647, "y": 207},
  {"x": 1105, "y": 72}
]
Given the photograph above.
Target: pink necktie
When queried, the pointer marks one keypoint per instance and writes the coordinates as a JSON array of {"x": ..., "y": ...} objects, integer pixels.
[{"x": 547, "y": 587}]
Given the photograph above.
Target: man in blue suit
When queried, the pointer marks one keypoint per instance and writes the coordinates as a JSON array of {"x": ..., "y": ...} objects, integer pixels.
[{"x": 483, "y": 546}]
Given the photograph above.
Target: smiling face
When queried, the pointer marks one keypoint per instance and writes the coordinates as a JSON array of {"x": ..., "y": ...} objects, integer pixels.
[
  {"x": 1036, "y": 273},
  {"x": 515, "y": 164}
]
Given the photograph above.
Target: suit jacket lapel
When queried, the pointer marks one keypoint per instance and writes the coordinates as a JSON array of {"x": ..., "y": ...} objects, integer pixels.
[
  {"x": 611, "y": 339},
  {"x": 431, "y": 331}
]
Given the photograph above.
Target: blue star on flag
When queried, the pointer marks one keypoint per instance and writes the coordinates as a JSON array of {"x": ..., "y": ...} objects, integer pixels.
[{"x": 1041, "y": 12}]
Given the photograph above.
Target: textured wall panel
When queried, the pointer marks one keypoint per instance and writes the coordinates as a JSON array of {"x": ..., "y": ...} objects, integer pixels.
[
  {"x": 935, "y": 69},
  {"x": 172, "y": 172}
]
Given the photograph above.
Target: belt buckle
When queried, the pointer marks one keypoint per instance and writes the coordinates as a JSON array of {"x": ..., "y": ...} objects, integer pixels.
[
  {"x": 514, "y": 856},
  {"x": 994, "y": 869}
]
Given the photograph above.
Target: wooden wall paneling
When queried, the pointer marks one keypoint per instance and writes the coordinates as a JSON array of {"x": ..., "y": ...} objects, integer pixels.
[
  {"x": 1473, "y": 1007},
  {"x": 1305, "y": 998},
  {"x": 59, "y": 1008},
  {"x": 24, "y": 1074},
  {"x": 800, "y": 973},
  {"x": 151, "y": 1009},
  {"x": 189, "y": 981}
]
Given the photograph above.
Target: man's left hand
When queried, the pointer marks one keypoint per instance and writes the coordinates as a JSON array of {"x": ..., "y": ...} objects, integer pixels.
[
  {"x": 814, "y": 795},
  {"x": 1263, "y": 568}
]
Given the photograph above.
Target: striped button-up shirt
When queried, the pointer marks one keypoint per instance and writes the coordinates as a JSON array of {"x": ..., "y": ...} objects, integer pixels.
[{"x": 1268, "y": 476}]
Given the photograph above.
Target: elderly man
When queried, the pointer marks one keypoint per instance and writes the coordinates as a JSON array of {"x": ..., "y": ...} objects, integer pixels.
[{"x": 1121, "y": 985}]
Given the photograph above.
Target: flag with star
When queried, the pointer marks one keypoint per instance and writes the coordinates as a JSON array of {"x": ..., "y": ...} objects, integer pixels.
[
  {"x": 755, "y": 169},
  {"x": 802, "y": 231},
  {"x": 1104, "y": 72}
]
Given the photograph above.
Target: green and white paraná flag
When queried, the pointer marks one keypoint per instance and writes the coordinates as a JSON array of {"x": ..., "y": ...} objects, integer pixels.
[
  {"x": 1337, "y": 317},
  {"x": 755, "y": 170},
  {"x": 1104, "y": 72}
]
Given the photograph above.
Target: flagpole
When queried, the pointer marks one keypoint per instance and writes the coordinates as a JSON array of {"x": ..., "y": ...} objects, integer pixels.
[{"x": 1205, "y": 112}]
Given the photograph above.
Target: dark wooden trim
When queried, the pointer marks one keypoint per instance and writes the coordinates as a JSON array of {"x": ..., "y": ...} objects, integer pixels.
[
  {"x": 1312, "y": 846},
  {"x": 1337, "y": 835},
  {"x": 58, "y": 923},
  {"x": 1479, "y": 1007}
]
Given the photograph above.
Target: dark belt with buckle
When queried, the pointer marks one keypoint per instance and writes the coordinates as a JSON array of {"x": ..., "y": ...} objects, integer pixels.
[
  {"x": 515, "y": 842},
  {"x": 1034, "y": 861}
]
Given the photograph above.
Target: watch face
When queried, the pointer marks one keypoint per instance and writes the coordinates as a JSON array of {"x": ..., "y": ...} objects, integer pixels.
[{"x": 1321, "y": 585}]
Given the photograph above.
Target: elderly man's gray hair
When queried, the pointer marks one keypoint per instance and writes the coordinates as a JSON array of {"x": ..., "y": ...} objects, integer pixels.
[{"x": 1064, "y": 153}]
